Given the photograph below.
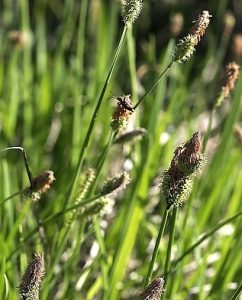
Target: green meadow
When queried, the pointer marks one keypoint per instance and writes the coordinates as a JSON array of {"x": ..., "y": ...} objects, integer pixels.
[{"x": 103, "y": 225}]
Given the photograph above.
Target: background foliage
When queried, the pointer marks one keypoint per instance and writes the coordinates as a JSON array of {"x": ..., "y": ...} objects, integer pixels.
[{"x": 51, "y": 74}]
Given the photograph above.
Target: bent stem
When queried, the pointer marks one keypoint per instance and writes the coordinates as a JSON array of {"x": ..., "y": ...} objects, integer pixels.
[
  {"x": 156, "y": 249},
  {"x": 91, "y": 125},
  {"x": 25, "y": 162}
]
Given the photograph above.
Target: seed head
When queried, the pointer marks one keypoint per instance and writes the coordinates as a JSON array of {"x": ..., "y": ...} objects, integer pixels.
[
  {"x": 177, "y": 181},
  {"x": 226, "y": 82},
  {"x": 121, "y": 113},
  {"x": 200, "y": 25},
  {"x": 41, "y": 183},
  {"x": 116, "y": 183},
  {"x": 130, "y": 10},
  {"x": 31, "y": 280},
  {"x": 185, "y": 48},
  {"x": 86, "y": 180},
  {"x": 154, "y": 290},
  {"x": 95, "y": 208}
]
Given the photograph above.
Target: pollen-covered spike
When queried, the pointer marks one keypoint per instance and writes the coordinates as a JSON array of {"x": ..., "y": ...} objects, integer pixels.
[
  {"x": 130, "y": 10},
  {"x": 200, "y": 25}
]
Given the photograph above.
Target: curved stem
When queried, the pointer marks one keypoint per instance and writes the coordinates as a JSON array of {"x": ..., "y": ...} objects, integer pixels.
[
  {"x": 156, "y": 249},
  {"x": 25, "y": 162}
]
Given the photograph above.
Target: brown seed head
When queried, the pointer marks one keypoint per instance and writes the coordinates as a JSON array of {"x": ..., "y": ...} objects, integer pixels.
[
  {"x": 120, "y": 118},
  {"x": 43, "y": 180},
  {"x": 200, "y": 25},
  {"x": 226, "y": 82},
  {"x": 188, "y": 159},
  {"x": 154, "y": 290},
  {"x": 41, "y": 183},
  {"x": 192, "y": 149},
  {"x": 32, "y": 278}
]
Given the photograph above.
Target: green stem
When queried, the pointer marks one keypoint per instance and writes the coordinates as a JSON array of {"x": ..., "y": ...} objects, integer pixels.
[
  {"x": 103, "y": 256},
  {"x": 154, "y": 85},
  {"x": 237, "y": 293},
  {"x": 10, "y": 197},
  {"x": 101, "y": 162},
  {"x": 156, "y": 249},
  {"x": 171, "y": 240},
  {"x": 207, "y": 135},
  {"x": 206, "y": 236},
  {"x": 91, "y": 125}
]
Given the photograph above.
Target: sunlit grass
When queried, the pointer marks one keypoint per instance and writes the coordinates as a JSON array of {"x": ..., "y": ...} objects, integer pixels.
[{"x": 55, "y": 79}]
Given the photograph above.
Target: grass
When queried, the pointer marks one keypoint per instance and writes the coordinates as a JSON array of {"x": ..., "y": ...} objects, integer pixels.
[{"x": 53, "y": 103}]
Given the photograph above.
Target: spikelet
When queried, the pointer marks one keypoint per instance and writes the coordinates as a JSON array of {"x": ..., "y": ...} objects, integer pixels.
[
  {"x": 226, "y": 83},
  {"x": 116, "y": 183},
  {"x": 41, "y": 183},
  {"x": 130, "y": 10},
  {"x": 185, "y": 47},
  {"x": 154, "y": 290},
  {"x": 121, "y": 113},
  {"x": 177, "y": 181},
  {"x": 31, "y": 280}
]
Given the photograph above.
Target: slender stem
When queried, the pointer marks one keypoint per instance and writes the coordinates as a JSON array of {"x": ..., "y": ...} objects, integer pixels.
[
  {"x": 91, "y": 125},
  {"x": 171, "y": 240},
  {"x": 100, "y": 164},
  {"x": 25, "y": 162},
  {"x": 237, "y": 293},
  {"x": 10, "y": 197},
  {"x": 156, "y": 249},
  {"x": 206, "y": 236},
  {"x": 103, "y": 257},
  {"x": 207, "y": 135},
  {"x": 154, "y": 85}
]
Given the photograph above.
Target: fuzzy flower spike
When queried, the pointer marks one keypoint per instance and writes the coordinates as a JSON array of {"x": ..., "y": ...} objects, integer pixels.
[
  {"x": 41, "y": 183},
  {"x": 177, "y": 181},
  {"x": 130, "y": 10},
  {"x": 226, "y": 83},
  {"x": 185, "y": 47},
  {"x": 32, "y": 279}
]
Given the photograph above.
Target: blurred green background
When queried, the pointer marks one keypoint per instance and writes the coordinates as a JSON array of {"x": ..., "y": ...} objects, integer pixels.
[{"x": 54, "y": 59}]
